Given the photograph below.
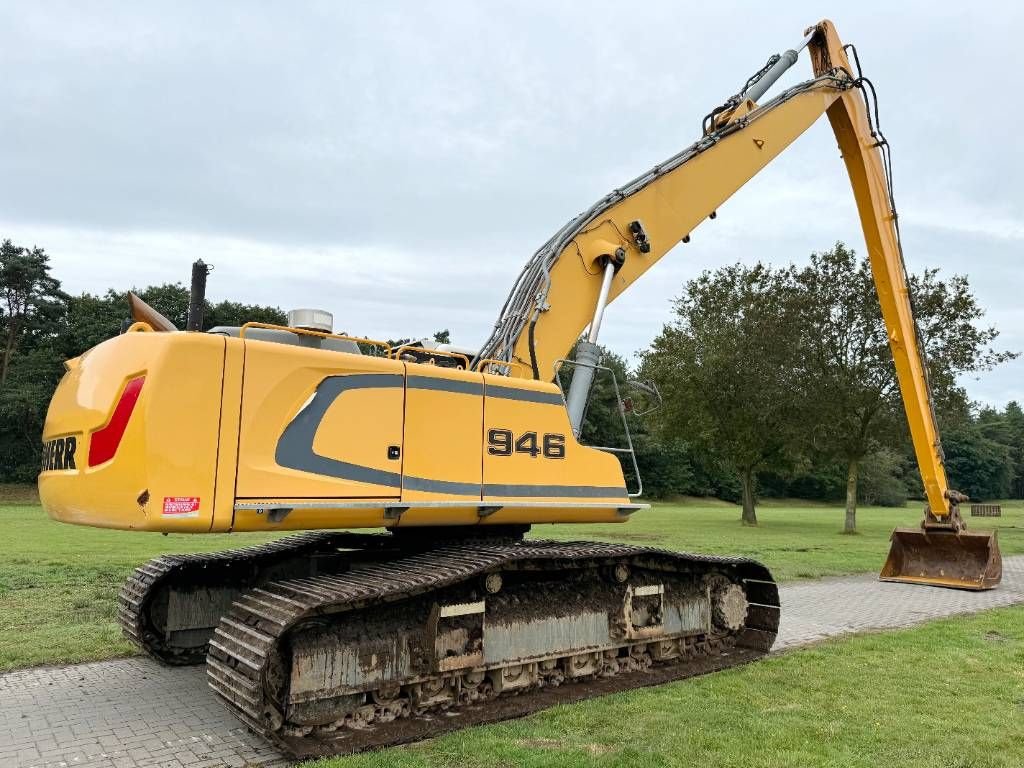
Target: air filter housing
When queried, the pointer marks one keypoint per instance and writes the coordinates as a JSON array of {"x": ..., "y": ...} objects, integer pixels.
[{"x": 311, "y": 320}]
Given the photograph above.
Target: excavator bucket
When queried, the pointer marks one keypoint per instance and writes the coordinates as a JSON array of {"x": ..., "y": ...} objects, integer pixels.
[{"x": 944, "y": 558}]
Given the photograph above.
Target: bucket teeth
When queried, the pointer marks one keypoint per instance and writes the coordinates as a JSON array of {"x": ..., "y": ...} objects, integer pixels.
[{"x": 942, "y": 558}]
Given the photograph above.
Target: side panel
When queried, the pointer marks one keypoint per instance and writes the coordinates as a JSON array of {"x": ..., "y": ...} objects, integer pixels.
[
  {"x": 444, "y": 411},
  {"x": 319, "y": 424},
  {"x": 530, "y": 453}
]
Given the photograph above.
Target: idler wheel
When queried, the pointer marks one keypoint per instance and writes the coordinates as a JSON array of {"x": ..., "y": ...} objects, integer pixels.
[{"x": 728, "y": 603}]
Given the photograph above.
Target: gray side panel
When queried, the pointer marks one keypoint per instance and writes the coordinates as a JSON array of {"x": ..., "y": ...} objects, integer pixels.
[
  {"x": 295, "y": 447},
  {"x": 577, "y": 491},
  {"x": 524, "y": 395},
  {"x": 446, "y": 385}
]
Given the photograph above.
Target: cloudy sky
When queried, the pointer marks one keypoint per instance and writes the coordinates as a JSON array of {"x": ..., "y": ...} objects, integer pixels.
[{"x": 396, "y": 163}]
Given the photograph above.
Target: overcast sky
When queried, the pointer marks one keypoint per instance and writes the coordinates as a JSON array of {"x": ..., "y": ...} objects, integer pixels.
[{"x": 397, "y": 163}]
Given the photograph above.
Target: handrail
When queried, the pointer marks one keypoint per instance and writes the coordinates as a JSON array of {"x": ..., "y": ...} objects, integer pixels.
[
  {"x": 458, "y": 355},
  {"x": 500, "y": 363},
  {"x": 628, "y": 449},
  {"x": 319, "y": 334}
]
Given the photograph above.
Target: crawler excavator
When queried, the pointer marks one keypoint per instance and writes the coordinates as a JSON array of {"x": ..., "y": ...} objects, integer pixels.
[{"x": 334, "y": 640}]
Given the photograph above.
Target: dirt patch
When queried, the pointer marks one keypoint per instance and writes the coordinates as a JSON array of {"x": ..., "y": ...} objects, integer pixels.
[{"x": 18, "y": 493}]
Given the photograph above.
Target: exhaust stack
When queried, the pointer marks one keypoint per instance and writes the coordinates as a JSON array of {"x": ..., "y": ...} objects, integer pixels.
[{"x": 197, "y": 296}]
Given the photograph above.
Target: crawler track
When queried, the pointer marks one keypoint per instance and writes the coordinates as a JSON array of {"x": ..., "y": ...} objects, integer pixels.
[
  {"x": 142, "y": 604},
  {"x": 255, "y": 649}
]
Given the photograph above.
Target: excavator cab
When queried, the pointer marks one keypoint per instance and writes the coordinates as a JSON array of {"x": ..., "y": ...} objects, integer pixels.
[{"x": 942, "y": 553}]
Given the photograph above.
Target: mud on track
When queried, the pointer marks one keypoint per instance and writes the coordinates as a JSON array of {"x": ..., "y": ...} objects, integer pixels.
[{"x": 408, "y": 730}]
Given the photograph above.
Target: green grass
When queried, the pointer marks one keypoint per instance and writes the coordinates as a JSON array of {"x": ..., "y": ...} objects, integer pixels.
[
  {"x": 797, "y": 540},
  {"x": 58, "y": 583},
  {"x": 949, "y": 694}
]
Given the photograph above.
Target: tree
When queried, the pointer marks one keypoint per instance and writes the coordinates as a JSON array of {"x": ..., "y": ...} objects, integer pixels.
[
  {"x": 443, "y": 337},
  {"x": 233, "y": 313},
  {"x": 30, "y": 299},
  {"x": 850, "y": 386},
  {"x": 982, "y": 466},
  {"x": 41, "y": 327},
  {"x": 34, "y": 371},
  {"x": 667, "y": 467},
  {"x": 31, "y": 305},
  {"x": 1007, "y": 429},
  {"x": 728, "y": 368},
  {"x": 881, "y": 478},
  {"x": 1015, "y": 442},
  {"x": 170, "y": 300},
  {"x": 90, "y": 320}
]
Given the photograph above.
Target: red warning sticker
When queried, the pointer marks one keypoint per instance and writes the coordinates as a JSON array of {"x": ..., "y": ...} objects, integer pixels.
[{"x": 181, "y": 506}]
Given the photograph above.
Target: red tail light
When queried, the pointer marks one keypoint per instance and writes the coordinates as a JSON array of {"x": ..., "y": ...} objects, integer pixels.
[{"x": 104, "y": 441}]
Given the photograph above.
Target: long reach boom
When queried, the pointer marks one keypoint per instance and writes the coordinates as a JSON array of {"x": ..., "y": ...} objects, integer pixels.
[{"x": 593, "y": 259}]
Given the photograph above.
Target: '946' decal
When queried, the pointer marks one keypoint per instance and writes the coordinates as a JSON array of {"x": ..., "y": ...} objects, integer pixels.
[{"x": 501, "y": 442}]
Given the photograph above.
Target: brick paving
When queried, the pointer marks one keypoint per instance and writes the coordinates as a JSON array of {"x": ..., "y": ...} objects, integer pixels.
[
  {"x": 133, "y": 713},
  {"x": 815, "y": 610}
]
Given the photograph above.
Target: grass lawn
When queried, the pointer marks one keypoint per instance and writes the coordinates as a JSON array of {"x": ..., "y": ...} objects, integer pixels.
[
  {"x": 58, "y": 583},
  {"x": 796, "y": 540},
  {"x": 949, "y": 694}
]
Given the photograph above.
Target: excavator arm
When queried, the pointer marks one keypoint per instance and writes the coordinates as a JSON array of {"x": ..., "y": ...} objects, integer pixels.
[
  {"x": 593, "y": 259},
  {"x": 941, "y": 552}
]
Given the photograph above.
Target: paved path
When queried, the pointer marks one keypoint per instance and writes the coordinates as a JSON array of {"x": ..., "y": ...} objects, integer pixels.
[
  {"x": 815, "y": 610},
  {"x": 133, "y": 713}
]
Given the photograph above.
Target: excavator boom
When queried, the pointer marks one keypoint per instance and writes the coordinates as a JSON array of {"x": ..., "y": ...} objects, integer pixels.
[{"x": 599, "y": 254}]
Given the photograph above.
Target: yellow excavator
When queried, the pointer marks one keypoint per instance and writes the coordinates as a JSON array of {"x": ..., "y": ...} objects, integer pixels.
[{"x": 336, "y": 640}]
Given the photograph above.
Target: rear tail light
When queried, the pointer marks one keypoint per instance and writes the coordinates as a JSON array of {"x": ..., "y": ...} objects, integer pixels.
[{"x": 104, "y": 441}]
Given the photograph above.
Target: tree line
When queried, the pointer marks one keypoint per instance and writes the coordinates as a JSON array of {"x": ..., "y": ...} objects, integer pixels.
[
  {"x": 774, "y": 381},
  {"x": 41, "y": 326},
  {"x": 779, "y": 381}
]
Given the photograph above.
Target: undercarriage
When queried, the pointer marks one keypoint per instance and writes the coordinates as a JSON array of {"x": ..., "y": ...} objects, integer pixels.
[{"x": 329, "y": 643}]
